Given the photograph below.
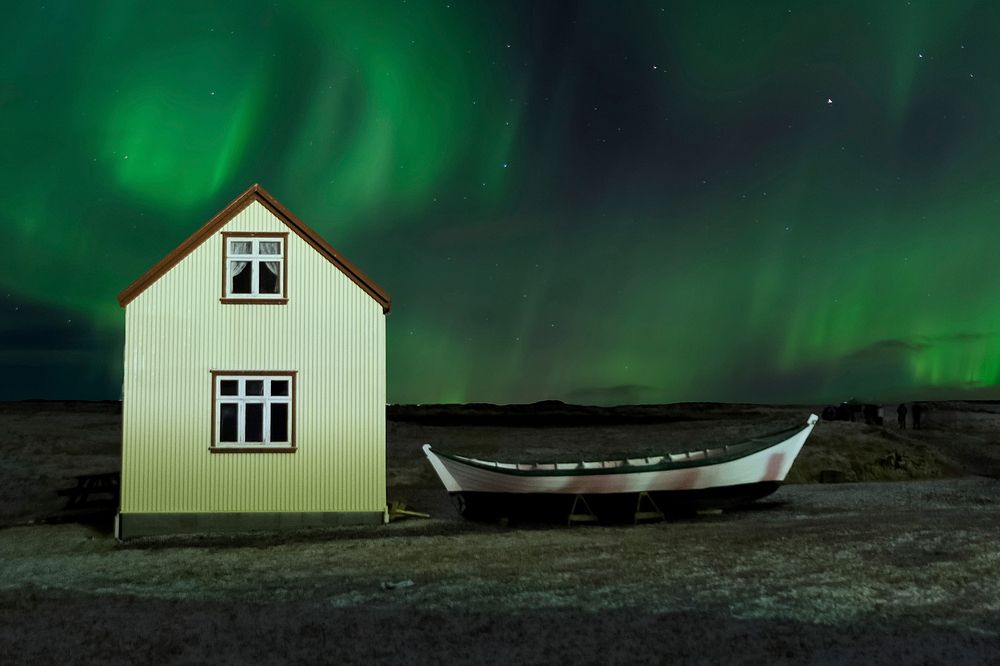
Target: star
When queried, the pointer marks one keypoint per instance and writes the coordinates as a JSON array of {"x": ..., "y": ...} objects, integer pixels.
[{"x": 829, "y": 100}]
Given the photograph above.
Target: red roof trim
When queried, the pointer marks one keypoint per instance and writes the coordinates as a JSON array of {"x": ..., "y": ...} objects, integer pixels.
[{"x": 255, "y": 193}]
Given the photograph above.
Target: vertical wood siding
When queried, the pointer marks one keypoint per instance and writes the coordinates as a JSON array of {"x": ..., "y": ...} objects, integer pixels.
[{"x": 330, "y": 331}]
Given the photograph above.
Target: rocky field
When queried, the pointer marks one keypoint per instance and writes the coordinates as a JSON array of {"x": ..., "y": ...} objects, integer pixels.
[{"x": 900, "y": 564}]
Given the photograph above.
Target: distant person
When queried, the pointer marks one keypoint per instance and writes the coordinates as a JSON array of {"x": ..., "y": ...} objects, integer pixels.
[
  {"x": 917, "y": 413},
  {"x": 901, "y": 414}
]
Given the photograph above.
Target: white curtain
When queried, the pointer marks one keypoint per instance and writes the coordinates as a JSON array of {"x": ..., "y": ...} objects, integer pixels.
[
  {"x": 236, "y": 267},
  {"x": 270, "y": 247},
  {"x": 272, "y": 267}
]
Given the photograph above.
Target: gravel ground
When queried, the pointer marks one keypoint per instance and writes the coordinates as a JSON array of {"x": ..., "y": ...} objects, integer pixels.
[{"x": 847, "y": 573}]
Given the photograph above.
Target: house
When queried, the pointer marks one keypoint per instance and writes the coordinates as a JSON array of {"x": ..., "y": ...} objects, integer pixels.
[{"x": 254, "y": 390}]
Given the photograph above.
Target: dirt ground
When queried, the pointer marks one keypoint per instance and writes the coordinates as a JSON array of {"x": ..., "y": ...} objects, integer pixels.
[{"x": 820, "y": 573}]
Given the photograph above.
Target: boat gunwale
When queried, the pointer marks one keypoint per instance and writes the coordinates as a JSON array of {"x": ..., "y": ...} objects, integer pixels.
[{"x": 743, "y": 449}]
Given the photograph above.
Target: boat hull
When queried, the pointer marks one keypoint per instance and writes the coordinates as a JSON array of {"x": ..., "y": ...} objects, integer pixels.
[
  {"x": 606, "y": 508},
  {"x": 712, "y": 478}
]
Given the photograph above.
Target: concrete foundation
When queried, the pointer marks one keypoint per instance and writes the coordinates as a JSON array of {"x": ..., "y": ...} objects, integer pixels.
[{"x": 132, "y": 525}]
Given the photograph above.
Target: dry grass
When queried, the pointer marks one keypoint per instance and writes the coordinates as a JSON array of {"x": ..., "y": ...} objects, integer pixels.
[
  {"x": 829, "y": 572},
  {"x": 845, "y": 573},
  {"x": 45, "y": 443}
]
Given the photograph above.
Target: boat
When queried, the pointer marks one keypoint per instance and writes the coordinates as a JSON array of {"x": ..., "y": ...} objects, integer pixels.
[{"x": 705, "y": 479}]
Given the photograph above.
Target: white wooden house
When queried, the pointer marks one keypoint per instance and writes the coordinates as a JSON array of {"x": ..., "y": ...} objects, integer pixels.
[{"x": 254, "y": 389}]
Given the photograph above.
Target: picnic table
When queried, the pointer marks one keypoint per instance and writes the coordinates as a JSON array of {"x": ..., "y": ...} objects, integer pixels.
[{"x": 108, "y": 484}]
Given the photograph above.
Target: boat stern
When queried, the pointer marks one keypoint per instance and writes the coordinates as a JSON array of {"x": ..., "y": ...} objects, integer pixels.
[{"x": 450, "y": 484}]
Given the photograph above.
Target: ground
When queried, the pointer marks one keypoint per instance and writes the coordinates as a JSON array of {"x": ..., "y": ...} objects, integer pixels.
[{"x": 902, "y": 571}]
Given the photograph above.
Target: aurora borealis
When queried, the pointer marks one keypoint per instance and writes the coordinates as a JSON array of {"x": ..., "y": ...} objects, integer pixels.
[{"x": 595, "y": 202}]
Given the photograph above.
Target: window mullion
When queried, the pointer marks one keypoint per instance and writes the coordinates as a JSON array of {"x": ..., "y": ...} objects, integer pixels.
[
  {"x": 267, "y": 420},
  {"x": 241, "y": 422},
  {"x": 267, "y": 410},
  {"x": 254, "y": 251}
]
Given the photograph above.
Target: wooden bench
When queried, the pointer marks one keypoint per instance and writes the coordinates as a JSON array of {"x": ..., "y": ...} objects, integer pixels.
[{"x": 108, "y": 484}]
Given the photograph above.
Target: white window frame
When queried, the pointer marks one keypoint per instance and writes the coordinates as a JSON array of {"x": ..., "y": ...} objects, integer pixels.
[
  {"x": 242, "y": 400},
  {"x": 255, "y": 258}
]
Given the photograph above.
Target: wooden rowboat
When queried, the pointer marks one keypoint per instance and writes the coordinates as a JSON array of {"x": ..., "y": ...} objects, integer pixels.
[{"x": 711, "y": 478}]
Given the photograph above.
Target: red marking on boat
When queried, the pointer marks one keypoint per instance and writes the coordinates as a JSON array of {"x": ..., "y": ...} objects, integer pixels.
[
  {"x": 685, "y": 479},
  {"x": 577, "y": 485},
  {"x": 774, "y": 465}
]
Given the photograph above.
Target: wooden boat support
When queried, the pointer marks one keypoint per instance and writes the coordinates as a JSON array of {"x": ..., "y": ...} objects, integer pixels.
[
  {"x": 632, "y": 489},
  {"x": 651, "y": 512},
  {"x": 576, "y": 512}
]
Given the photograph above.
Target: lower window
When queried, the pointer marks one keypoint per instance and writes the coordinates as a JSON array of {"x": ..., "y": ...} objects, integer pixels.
[{"x": 253, "y": 411}]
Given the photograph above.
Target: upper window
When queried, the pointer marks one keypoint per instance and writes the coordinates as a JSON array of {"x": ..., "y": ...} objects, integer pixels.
[
  {"x": 253, "y": 411},
  {"x": 255, "y": 268}
]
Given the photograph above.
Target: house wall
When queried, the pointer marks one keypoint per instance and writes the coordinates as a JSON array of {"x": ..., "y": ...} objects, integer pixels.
[{"x": 331, "y": 332}]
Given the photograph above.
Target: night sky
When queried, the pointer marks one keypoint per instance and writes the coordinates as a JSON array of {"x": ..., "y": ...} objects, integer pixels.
[{"x": 597, "y": 202}]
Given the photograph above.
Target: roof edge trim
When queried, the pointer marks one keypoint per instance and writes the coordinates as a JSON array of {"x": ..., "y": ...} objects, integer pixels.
[{"x": 254, "y": 193}]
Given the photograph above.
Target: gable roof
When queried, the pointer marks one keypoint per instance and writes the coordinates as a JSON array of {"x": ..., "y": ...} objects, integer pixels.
[{"x": 255, "y": 193}]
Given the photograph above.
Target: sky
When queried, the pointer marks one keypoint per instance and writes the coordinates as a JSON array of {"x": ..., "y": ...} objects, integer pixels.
[{"x": 596, "y": 202}]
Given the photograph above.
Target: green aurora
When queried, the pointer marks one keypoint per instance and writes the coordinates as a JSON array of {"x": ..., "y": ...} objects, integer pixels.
[{"x": 595, "y": 202}]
